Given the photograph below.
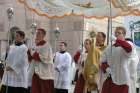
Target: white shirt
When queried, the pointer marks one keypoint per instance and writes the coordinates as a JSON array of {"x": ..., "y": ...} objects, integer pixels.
[
  {"x": 63, "y": 64},
  {"x": 18, "y": 60}
]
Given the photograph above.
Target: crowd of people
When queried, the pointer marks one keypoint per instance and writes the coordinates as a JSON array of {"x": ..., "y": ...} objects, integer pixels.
[{"x": 101, "y": 68}]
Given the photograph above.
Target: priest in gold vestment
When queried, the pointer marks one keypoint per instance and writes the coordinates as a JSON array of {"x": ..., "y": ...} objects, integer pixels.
[{"x": 88, "y": 78}]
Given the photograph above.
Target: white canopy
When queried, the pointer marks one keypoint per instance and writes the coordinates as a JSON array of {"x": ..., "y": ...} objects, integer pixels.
[{"x": 88, "y": 8}]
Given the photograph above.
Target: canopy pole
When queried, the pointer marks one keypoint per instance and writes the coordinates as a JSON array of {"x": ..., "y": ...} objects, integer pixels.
[
  {"x": 110, "y": 20},
  {"x": 109, "y": 34},
  {"x": 110, "y": 26}
]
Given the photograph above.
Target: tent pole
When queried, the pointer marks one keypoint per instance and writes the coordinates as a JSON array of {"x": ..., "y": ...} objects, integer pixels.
[
  {"x": 108, "y": 26},
  {"x": 110, "y": 20}
]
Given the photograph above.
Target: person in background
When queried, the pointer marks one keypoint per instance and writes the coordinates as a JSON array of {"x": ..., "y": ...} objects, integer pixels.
[
  {"x": 100, "y": 41},
  {"x": 100, "y": 44},
  {"x": 138, "y": 77},
  {"x": 76, "y": 59},
  {"x": 42, "y": 59},
  {"x": 134, "y": 59},
  {"x": 115, "y": 63},
  {"x": 80, "y": 59},
  {"x": 62, "y": 63},
  {"x": 15, "y": 78}
]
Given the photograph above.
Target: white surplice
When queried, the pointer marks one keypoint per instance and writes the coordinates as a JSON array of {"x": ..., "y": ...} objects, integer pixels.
[
  {"x": 62, "y": 63},
  {"x": 18, "y": 60},
  {"x": 133, "y": 62},
  {"x": 118, "y": 61}
]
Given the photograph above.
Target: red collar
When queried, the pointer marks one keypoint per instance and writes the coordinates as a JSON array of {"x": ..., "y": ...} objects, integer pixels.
[{"x": 41, "y": 43}]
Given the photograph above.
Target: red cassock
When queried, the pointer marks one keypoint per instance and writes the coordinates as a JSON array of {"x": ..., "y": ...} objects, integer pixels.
[
  {"x": 80, "y": 83},
  {"x": 40, "y": 85},
  {"x": 79, "y": 87},
  {"x": 110, "y": 87}
]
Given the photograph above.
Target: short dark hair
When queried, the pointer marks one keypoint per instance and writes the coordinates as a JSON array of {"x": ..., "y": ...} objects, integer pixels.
[
  {"x": 21, "y": 33},
  {"x": 42, "y": 30},
  {"x": 65, "y": 44}
]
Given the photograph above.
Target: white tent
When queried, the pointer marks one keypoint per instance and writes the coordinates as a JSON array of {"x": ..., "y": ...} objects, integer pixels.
[{"x": 88, "y": 8}]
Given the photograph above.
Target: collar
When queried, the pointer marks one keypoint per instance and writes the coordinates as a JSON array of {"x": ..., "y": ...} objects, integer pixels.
[
  {"x": 41, "y": 43},
  {"x": 18, "y": 43},
  {"x": 100, "y": 45},
  {"x": 86, "y": 51},
  {"x": 62, "y": 52}
]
